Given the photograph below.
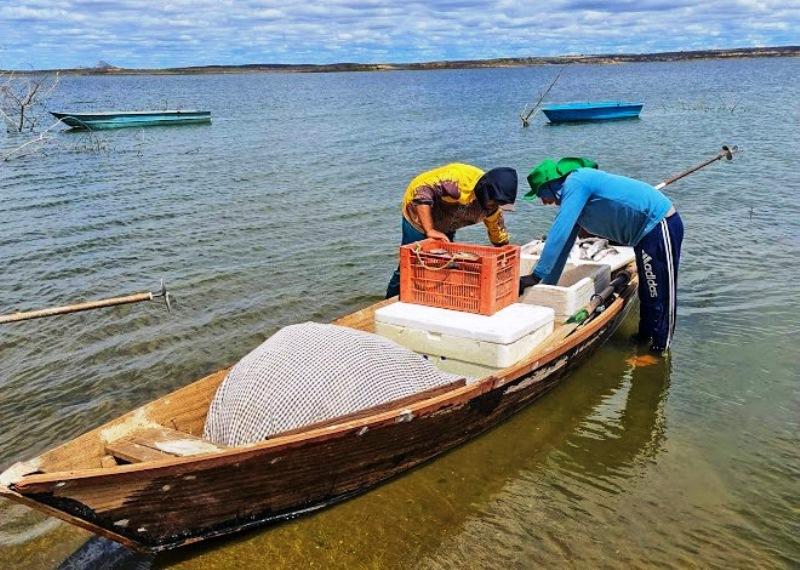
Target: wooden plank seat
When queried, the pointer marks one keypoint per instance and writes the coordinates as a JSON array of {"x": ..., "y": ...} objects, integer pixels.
[{"x": 151, "y": 444}]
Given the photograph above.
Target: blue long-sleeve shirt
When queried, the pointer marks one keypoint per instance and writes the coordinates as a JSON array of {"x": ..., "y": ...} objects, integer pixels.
[{"x": 615, "y": 207}]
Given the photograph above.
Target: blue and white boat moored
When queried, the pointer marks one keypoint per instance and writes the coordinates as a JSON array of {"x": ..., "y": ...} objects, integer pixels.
[
  {"x": 119, "y": 119},
  {"x": 597, "y": 111}
]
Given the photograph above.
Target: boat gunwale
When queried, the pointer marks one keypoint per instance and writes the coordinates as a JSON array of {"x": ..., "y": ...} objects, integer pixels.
[
  {"x": 107, "y": 114},
  {"x": 578, "y": 106},
  {"x": 457, "y": 397}
]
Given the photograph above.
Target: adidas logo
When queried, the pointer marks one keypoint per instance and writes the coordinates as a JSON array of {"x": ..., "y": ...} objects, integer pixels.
[{"x": 650, "y": 275}]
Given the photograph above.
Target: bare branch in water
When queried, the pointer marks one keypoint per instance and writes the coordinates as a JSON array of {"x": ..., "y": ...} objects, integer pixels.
[
  {"x": 22, "y": 99},
  {"x": 22, "y": 108},
  {"x": 86, "y": 142},
  {"x": 35, "y": 143},
  {"x": 91, "y": 142},
  {"x": 724, "y": 106}
]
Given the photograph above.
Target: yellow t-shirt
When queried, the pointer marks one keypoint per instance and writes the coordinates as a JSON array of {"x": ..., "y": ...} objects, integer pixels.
[
  {"x": 450, "y": 191},
  {"x": 456, "y": 181}
]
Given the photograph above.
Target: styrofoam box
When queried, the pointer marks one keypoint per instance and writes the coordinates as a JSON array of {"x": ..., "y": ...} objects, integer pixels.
[
  {"x": 529, "y": 259},
  {"x": 497, "y": 340},
  {"x": 466, "y": 370},
  {"x": 573, "y": 291}
]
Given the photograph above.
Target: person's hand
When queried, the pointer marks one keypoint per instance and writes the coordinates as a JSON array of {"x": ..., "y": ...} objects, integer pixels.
[
  {"x": 435, "y": 234},
  {"x": 527, "y": 281}
]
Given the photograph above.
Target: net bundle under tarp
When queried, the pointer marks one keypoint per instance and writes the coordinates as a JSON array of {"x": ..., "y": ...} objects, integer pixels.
[{"x": 311, "y": 372}]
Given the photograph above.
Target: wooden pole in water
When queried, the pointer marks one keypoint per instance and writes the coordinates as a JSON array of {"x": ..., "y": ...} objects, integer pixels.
[
  {"x": 726, "y": 153},
  {"x": 525, "y": 116},
  {"x": 89, "y": 305}
]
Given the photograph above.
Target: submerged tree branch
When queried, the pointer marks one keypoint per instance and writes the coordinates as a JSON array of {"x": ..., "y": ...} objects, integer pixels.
[{"x": 22, "y": 99}]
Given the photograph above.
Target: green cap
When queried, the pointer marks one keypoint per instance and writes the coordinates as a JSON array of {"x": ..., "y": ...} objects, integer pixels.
[{"x": 549, "y": 170}]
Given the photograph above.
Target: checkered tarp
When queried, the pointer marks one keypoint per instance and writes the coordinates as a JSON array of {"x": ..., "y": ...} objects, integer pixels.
[{"x": 311, "y": 372}]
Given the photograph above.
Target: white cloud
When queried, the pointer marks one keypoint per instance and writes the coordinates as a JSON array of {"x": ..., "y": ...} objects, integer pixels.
[{"x": 67, "y": 33}]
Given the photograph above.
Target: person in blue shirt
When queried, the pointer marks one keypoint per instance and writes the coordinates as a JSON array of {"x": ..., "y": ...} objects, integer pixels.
[{"x": 627, "y": 211}]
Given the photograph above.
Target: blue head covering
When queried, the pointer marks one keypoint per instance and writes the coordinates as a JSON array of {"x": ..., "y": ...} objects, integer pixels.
[
  {"x": 499, "y": 184},
  {"x": 552, "y": 190}
]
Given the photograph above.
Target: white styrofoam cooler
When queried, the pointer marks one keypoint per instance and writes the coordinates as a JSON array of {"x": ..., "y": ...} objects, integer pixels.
[
  {"x": 529, "y": 257},
  {"x": 496, "y": 341},
  {"x": 573, "y": 291},
  {"x": 466, "y": 370}
]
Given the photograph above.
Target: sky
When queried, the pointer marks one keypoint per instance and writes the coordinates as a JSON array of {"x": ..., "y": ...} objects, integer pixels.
[{"x": 46, "y": 34}]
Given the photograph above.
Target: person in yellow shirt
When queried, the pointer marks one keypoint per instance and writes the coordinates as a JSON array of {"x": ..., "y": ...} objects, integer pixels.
[{"x": 440, "y": 201}]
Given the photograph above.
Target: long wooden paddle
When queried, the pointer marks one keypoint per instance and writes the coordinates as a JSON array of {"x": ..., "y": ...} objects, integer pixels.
[
  {"x": 53, "y": 311},
  {"x": 726, "y": 153}
]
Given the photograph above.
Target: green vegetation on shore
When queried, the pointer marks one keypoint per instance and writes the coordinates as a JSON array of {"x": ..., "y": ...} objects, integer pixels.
[{"x": 780, "y": 51}]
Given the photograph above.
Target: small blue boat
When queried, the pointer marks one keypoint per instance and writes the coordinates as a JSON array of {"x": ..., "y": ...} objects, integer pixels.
[
  {"x": 597, "y": 111},
  {"x": 119, "y": 119}
]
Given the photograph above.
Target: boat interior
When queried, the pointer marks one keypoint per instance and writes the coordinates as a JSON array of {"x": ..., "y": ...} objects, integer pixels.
[{"x": 172, "y": 426}]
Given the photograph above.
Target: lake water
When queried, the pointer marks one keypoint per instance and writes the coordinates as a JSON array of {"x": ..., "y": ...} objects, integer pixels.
[{"x": 286, "y": 209}]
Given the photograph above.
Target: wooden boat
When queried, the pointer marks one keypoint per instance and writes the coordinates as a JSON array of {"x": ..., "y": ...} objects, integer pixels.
[
  {"x": 597, "y": 111},
  {"x": 120, "y": 119},
  {"x": 148, "y": 481}
]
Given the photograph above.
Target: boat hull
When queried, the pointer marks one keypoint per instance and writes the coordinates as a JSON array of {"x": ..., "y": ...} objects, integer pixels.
[
  {"x": 99, "y": 121},
  {"x": 592, "y": 112},
  {"x": 163, "y": 505}
]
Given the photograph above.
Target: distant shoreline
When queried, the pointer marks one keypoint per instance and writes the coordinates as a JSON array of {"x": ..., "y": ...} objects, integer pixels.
[{"x": 735, "y": 53}]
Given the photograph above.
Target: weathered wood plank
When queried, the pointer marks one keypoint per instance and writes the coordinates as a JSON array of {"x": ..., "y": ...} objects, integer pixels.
[
  {"x": 134, "y": 452},
  {"x": 363, "y": 319},
  {"x": 174, "y": 442},
  {"x": 183, "y": 410},
  {"x": 156, "y": 443},
  {"x": 108, "y": 461}
]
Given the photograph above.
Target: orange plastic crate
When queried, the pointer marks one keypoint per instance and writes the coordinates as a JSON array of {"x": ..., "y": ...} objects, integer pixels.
[{"x": 438, "y": 274}]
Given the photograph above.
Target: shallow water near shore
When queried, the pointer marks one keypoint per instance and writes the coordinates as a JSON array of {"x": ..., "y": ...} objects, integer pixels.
[{"x": 286, "y": 209}]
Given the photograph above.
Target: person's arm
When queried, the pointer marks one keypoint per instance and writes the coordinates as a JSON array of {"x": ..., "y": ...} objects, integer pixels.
[
  {"x": 561, "y": 236},
  {"x": 496, "y": 228},
  {"x": 530, "y": 280},
  {"x": 425, "y": 215},
  {"x": 424, "y": 197},
  {"x": 558, "y": 267}
]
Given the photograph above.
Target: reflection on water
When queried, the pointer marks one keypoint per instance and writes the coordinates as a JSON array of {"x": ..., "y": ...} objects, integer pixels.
[
  {"x": 285, "y": 209},
  {"x": 99, "y": 552},
  {"x": 615, "y": 436},
  {"x": 20, "y": 526}
]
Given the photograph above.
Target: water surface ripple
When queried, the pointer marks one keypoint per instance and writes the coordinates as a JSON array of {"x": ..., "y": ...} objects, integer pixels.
[{"x": 286, "y": 209}]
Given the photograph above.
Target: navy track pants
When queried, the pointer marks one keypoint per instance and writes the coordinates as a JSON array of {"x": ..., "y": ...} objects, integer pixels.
[{"x": 657, "y": 257}]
